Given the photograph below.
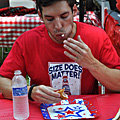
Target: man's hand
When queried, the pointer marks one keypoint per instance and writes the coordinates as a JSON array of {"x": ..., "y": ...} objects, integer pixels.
[
  {"x": 45, "y": 94},
  {"x": 79, "y": 52}
]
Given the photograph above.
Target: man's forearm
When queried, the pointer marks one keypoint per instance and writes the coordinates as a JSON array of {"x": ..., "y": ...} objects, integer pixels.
[
  {"x": 5, "y": 87},
  {"x": 110, "y": 78}
]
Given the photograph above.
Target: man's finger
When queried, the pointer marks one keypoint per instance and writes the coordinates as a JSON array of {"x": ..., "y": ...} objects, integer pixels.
[{"x": 79, "y": 38}]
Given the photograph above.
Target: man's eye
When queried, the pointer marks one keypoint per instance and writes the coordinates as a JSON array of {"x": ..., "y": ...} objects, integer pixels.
[
  {"x": 64, "y": 16},
  {"x": 50, "y": 19}
]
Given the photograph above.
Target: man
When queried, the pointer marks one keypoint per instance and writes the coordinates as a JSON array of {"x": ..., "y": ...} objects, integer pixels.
[
  {"x": 61, "y": 53},
  {"x": 118, "y": 4}
]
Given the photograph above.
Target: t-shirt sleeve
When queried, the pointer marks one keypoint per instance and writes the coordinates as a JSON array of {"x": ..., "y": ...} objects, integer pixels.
[
  {"x": 109, "y": 55},
  {"x": 14, "y": 61}
]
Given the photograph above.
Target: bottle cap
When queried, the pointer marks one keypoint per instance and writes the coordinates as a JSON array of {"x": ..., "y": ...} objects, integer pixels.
[{"x": 17, "y": 72}]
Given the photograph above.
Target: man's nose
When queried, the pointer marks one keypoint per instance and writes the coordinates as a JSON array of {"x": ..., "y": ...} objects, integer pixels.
[{"x": 58, "y": 24}]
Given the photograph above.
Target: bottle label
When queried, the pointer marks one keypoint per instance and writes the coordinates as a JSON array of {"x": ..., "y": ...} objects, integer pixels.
[{"x": 20, "y": 91}]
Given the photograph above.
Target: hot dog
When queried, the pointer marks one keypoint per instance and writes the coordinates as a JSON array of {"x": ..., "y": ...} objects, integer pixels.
[{"x": 62, "y": 94}]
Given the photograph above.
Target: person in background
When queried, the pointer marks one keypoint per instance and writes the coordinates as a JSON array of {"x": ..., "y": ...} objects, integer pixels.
[
  {"x": 61, "y": 53},
  {"x": 118, "y": 4}
]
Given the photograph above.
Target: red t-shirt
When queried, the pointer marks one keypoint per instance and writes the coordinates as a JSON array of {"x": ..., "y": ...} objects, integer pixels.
[{"x": 34, "y": 51}]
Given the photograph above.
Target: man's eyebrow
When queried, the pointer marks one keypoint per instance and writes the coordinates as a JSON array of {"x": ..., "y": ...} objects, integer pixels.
[
  {"x": 52, "y": 16},
  {"x": 48, "y": 16},
  {"x": 64, "y": 13}
]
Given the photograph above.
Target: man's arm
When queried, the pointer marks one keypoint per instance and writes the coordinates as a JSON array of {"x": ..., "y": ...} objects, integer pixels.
[
  {"x": 5, "y": 87},
  {"x": 41, "y": 93},
  {"x": 110, "y": 78}
]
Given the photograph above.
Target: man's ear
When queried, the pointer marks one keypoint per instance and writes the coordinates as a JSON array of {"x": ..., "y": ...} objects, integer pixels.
[
  {"x": 75, "y": 10},
  {"x": 40, "y": 15}
]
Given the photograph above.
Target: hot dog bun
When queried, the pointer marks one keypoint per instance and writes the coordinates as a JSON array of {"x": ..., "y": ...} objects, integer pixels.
[{"x": 62, "y": 94}]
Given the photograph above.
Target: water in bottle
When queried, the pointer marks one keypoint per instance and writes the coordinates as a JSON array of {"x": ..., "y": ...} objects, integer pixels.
[{"x": 20, "y": 96}]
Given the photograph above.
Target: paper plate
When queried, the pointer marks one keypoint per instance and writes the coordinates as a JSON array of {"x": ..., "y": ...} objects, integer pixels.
[{"x": 69, "y": 109}]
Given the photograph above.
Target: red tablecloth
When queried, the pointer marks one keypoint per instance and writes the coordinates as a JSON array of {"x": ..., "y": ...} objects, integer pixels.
[
  {"x": 12, "y": 27},
  {"x": 107, "y": 105}
]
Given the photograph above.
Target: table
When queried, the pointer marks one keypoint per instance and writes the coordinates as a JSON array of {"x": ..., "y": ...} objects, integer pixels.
[
  {"x": 107, "y": 105},
  {"x": 12, "y": 27}
]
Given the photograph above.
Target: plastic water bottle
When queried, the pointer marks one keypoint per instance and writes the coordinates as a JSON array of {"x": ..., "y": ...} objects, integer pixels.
[{"x": 20, "y": 96}]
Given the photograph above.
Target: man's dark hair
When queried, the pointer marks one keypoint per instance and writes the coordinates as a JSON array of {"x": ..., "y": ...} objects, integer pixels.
[{"x": 45, "y": 3}]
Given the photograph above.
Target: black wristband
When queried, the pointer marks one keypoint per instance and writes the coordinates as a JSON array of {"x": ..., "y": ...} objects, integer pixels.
[{"x": 30, "y": 91}]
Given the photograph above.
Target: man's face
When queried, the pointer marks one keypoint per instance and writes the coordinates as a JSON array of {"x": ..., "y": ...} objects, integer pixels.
[
  {"x": 118, "y": 4},
  {"x": 58, "y": 19}
]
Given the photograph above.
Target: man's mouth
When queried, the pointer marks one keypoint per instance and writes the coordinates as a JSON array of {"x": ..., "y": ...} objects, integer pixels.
[{"x": 61, "y": 35}]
